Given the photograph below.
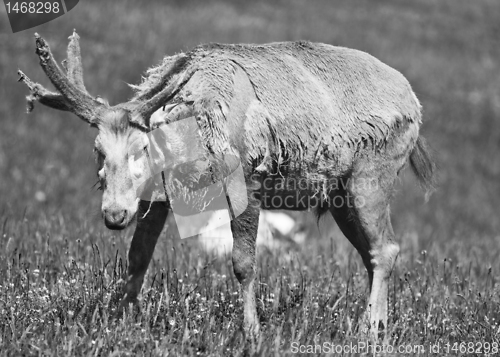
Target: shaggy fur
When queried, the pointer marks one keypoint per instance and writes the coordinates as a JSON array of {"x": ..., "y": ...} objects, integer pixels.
[{"x": 309, "y": 107}]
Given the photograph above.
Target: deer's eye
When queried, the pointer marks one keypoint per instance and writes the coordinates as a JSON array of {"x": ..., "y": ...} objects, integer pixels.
[
  {"x": 100, "y": 162},
  {"x": 137, "y": 150},
  {"x": 142, "y": 151}
]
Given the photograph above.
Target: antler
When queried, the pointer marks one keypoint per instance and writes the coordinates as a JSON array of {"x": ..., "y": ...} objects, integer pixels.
[
  {"x": 142, "y": 113},
  {"x": 72, "y": 95},
  {"x": 74, "y": 62}
]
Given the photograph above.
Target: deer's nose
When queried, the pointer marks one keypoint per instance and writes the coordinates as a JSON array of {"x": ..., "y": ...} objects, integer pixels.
[{"x": 115, "y": 219}]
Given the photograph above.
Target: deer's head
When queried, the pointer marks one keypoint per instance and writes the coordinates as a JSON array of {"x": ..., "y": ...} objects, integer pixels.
[{"x": 121, "y": 145}]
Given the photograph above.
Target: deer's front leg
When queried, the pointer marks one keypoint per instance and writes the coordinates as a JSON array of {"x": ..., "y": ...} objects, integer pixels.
[{"x": 143, "y": 245}]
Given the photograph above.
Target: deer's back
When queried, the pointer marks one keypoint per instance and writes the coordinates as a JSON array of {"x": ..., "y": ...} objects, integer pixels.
[{"x": 304, "y": 106}]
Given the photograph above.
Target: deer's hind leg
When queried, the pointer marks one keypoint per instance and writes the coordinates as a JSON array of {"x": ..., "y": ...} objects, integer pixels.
[
  {"x": 244, "y": 229},
  {"x": 364, "y": 218}
]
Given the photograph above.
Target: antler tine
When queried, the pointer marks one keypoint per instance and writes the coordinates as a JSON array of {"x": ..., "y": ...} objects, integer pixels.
[
  {"x": 74, "y": 63},
  {"x": 38, "y": 92},
  {"x": 72, "y": 95},
  {"x": 143, "y": 111}
]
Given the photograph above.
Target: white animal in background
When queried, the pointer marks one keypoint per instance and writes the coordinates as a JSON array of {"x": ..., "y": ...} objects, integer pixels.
[{"x": 276, "y": 230}]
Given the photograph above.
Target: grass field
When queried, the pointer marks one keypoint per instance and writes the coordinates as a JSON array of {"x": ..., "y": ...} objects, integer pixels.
[{"x": 59, "y": 266}]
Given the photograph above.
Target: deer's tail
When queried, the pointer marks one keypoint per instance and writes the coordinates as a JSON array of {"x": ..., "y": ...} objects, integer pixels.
[{"x": 423, "y": 166}]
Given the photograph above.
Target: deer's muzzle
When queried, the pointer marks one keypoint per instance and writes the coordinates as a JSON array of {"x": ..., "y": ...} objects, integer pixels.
[{"x": 115, "y": 219}]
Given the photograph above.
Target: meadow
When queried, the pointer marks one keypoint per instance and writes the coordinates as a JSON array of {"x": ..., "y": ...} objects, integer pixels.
[{"x": 60, "y": 268}]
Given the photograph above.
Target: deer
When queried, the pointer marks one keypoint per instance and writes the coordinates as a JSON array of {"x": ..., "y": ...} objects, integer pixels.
[{"x": 313, "y": 127}]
